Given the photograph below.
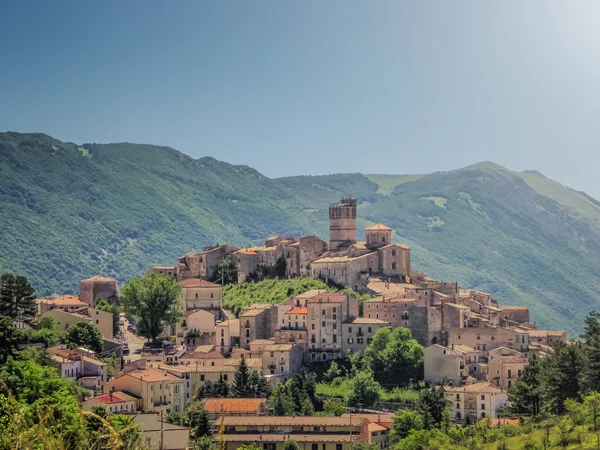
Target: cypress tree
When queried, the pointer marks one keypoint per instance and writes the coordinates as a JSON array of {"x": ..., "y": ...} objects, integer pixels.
[
  {"x": 17, "y": 297},
  {"x": 241, "y": 382}
]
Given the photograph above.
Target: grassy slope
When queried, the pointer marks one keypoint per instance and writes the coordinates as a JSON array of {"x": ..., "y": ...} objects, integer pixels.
[{"x": 69, "y": 212}]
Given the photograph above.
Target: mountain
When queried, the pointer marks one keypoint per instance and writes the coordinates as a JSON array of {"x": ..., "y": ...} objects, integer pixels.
[{"x": 71, "y": 211}]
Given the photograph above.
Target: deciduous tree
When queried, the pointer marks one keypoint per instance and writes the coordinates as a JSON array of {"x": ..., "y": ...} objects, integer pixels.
[
  {"x": 83, "y": 334},
  {"x": 153, "y": 300}
]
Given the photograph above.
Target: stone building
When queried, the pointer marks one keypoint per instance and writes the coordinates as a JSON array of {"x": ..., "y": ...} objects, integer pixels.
[
  {"x": 479, "y": 400},
  {"x": 203, "y": 265},
  {"x": 504, "y": 370},
  {"x": 326, "y": 313},
  {"x": 94, "y": 289},
  {"x": 255, "y": 323},
  {"x": 358, "y": 332},
  {"x": 342, "y": 224},
  {"x": 197, "y": 293}
]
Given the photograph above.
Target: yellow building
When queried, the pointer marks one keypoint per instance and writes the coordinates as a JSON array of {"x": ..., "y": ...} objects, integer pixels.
[{"x": 101, "y": 320}]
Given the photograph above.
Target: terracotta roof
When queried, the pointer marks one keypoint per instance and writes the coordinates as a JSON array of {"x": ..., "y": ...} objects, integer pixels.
[
  {"x": 109, "y": 399},
  {"x": 365, "y": 320},
  {"x": 327, "y": 298},
  {"x": 204, "y": 348},
  {"x": 252, "y": 312},
  {"x": 373, "y": 427},
  {"x": 201, "y": 355},
  {"x": 189, "y": 312},
  {"x": 151, "y": 375},
  {"x": 310, "y": 294},
  {"x": 378, "y": 227},
  {"x": 64, "y": 300},
  {"x": 197, "y": 283},
  {"x": 511, "y": 359},
  {"x": 241, "y": 405},
  {"x": 100, "y": 278},
  {"x": 298, "y": 310},
  {"x": 279, "y": 348},
  {"x": 337, "y": 438},
  {"x": 262, "y": 342},
  {"x": 290, "y": 420},
  {"x": 127, "y": 396}
]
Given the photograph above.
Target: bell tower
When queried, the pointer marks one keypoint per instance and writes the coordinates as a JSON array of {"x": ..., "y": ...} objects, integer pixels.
[{"x": 342, "y": 223}]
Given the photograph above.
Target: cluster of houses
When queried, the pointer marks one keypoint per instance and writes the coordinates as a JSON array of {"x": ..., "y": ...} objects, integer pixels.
[{"x": 473, "y": 345}]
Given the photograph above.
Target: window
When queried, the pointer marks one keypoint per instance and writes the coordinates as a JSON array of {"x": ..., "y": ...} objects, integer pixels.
[
  {"x": 313, "y": 325},
  {"x": 335, "y": 338},
  {"x": 334, "y": 325},
  {"x": 324, "y": 356},
  {"x": 201, "y": 377},
  {"x": 394, "y": 252},
  {"x": 350, "y": 341},
  {"x": 196, "y": 295},
  {"x": 323, "y": 323},
  {"x": 315, "y": 447},
  {"x": 359, "y": 340},
  {"x": 369, "y": 329},
  {"x": 323, "y": 312},
  {"x": 225, "y": 377},
  {"x": 334, "y": 316},
  {"x": 482, "y": 406},
  {"x": 272, "y": 354},
  {"x": 212, "y": 295},
  {"x": 483, "y": 397},
  {"x": 338, "y": 446}
]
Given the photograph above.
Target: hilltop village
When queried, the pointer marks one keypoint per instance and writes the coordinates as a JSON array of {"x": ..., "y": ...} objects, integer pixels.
[{"x": 472, "y": 344}]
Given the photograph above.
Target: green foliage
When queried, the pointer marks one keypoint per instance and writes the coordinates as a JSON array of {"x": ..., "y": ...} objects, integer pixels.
[
  {"x": 11, "y": 339},
  {"x": 363, "y": 446},
  {"x": 197, "y": 419},
  {"x": 205, "y": 443},
  {"x": 431, "y": 406},
  {"x": 63, "y": 204},
  {"x": 248, "y": 383},
  {"x": 84, "y": 335},
  {"x": 103, "y": 305},
  {"x": 226, "y": 272},
  {"x": 563, "y": 376},
  {"x": 526, "y": 394},
  {"x": 405, "y": 421},
  {"x": 365, "y": 390},
  {"x": 45, "y": 332},
  {"x": 332, "y": 373},
  {"x": 248, "y": 447},
  {"x": 220, "y": 388},
  {"x": 395, "y": 357},
  {"x": 291, "y": 444},
  {"x": 334, "y": 407},
  {"x": 17, "y": 298},
  {"x": 154, "y": 300},
  {"x": 281, "y": 401}
]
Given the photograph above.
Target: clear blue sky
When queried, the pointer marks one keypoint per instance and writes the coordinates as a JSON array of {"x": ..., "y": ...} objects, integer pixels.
[{"x": 314, "y": 87}]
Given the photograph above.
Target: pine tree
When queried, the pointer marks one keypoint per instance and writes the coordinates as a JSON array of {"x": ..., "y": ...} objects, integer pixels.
[
  {"x": 526, "y": 394},
  {"x": 17, "y": 297},
  {"x": 241, "y": 384},
  {"x": 563, "y": 376},
  {"x": 591, "y": 339}
]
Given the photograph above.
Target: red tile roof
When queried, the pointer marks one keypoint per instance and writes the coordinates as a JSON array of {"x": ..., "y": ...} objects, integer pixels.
[
  {"x": 241, "y": 405},
  {"x": 109, "y": 399},
  {"x": 378, "y": 227},
  {"x": 64, "y": 300},
  {"x": 196, "y": 283},
  {"x": 298, "y": 310}
]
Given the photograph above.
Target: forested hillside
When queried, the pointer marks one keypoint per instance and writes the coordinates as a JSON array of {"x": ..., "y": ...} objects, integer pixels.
[{"x": 69, "y": 211}]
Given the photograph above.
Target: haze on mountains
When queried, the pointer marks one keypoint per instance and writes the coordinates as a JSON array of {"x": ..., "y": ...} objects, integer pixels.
[{"x": 72, "y": 211}]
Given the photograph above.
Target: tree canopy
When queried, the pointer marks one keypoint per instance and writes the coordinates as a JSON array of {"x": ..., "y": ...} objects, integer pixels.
[
  {"x": 83, "y": 334},
  {"x": 154, "y": 301},
  {"x": 17, "y": 297}
]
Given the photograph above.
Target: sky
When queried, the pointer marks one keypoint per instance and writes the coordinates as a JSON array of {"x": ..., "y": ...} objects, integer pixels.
[{"x": 315, "y": 87}]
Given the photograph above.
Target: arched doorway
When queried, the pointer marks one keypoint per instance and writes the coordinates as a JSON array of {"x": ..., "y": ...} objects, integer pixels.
[{"x": 434, "y": 340}]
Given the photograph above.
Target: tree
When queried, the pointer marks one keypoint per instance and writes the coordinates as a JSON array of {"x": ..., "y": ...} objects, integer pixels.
[
  {"x": 405, "y": 421},
  {"x": 304, "y": 386},
  {"x": 83, "y": 334},
  {"x": 154, "y": 300},
  {"x": 248, "y": 447},
  {"x": 103, "y": 305},
  {"x": 308, "y": 408},
  {"x": 431, "y": 405},
  {"x": 241, "y": 381},
  {"x": 526, "y": 394},
  {"x": 10, "y": 339},
  {"x": 363, "y": 446},
  {"x": 395, "y": 357},
  {"x": 334, "y": 407},
  {"x": 592, "y": 403},
  {"x": 205, "y": 443},
  {"x": 281, "y": 400},
  {"x": 332, "y": 373},
  {"x": 197, "y": 419},
  {"x": 45, "y": 332},
  {"x": 280, "y": 268},
  {"x": 290, "y": 444},
  {"x": 591, "y": 339},
  {"x": 17, "y": 298},
  {"x": 365, "y": 390},
  {"x": 563, "y": 369},
  {"x": 226, "y": 272}
]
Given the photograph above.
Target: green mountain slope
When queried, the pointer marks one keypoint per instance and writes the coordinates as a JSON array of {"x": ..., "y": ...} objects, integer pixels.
[{"x": 70, "y": 211}]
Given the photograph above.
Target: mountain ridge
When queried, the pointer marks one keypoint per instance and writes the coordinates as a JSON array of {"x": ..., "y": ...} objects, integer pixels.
[{"x": 70, "y": 211}]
